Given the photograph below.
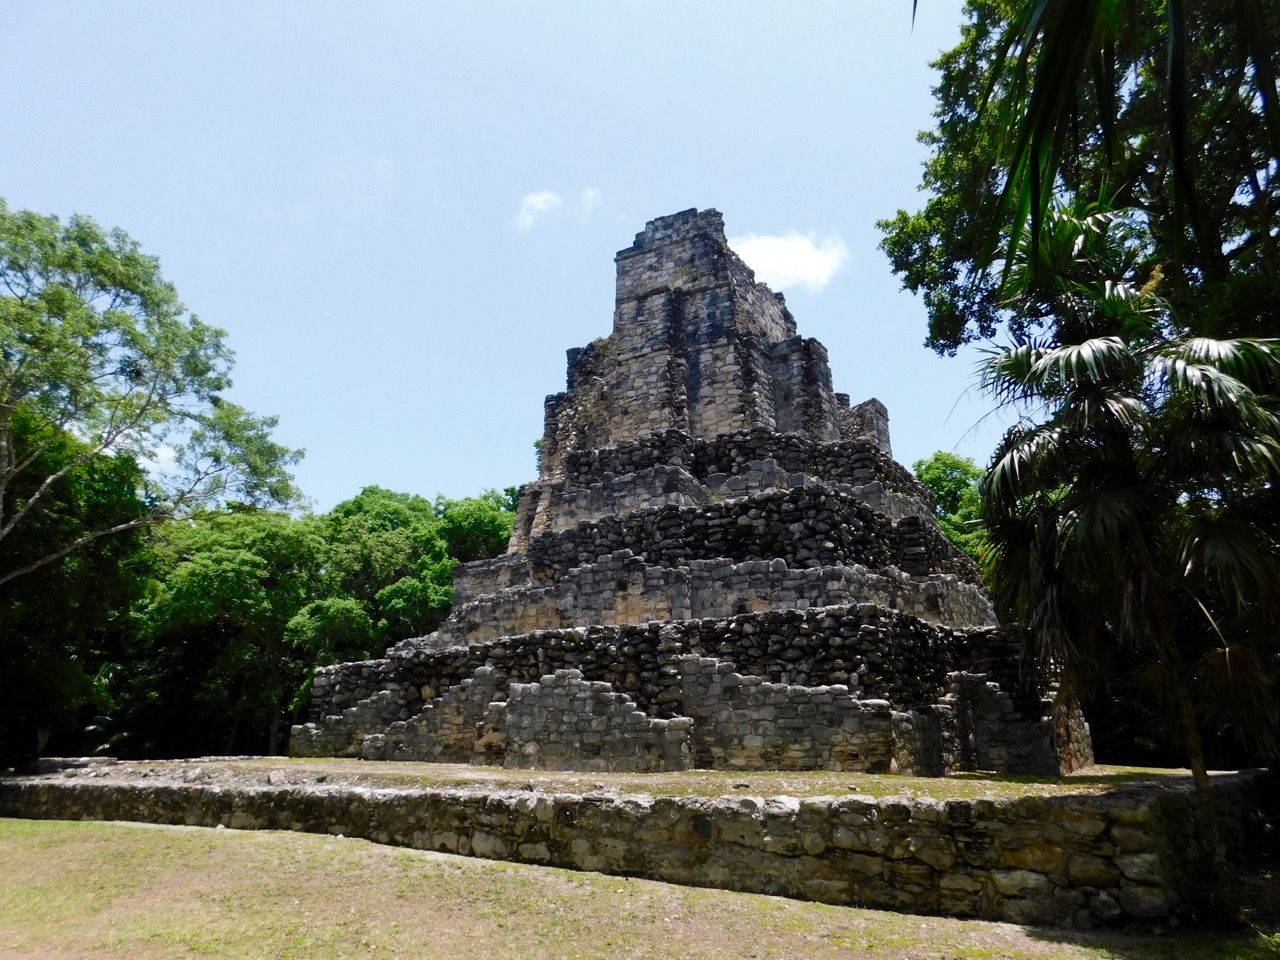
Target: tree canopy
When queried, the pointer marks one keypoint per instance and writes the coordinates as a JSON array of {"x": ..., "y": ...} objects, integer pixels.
[
  {"x": 1076, "y": 104},
  {"x": 58, "y": 630},
  {"x": 242, "y": 606},
  {"x": 95, "y": 344},
  {"x": 954, "y": 482}
]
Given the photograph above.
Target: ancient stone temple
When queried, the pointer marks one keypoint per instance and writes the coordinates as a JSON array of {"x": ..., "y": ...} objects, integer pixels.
[{"x": 719, "y": 565}]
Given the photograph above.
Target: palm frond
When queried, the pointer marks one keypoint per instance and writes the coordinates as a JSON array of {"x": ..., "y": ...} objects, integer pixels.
[
  {"x": 1235, "y": 552},
  {"x": 1094, "y": 361},
  {"x": 1026, "y": 462},
  {"x": 1203, "y": 385},
  {"x": 1253, "y": 361},
  {"x": 1238, "y": 678},
  {"x": 1005, "y": 375},
  {"x": 1213, "y": 450},
  {"x": 1097, "y": 518},
  {"x": 1095, "y": 406}
]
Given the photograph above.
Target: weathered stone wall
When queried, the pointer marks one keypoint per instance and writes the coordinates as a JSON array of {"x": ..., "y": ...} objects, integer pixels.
[
  {"x": 802, "y": 398},
  {"x": 482, "y": 578},
  {"x": 560, "y": 722},
  {"x": 975, "y": 720},
  {"x": 444, "y": 730},
  {"x": 1120, "y": 857},
  {"x": 657, "y": 486},
  {"x": 856, "y": 461},
  {"x": 343, "y": 730},
  {"x": 811, "y": 526},
  {"x": 662, "y": 485},
  {"x": 564, "y": 722},
  {"x": 623, "y": 588},
  {"x": 869, "y": 420},
  {"x": 741, "y": 721},
  {"x": 736, "y": 720},
  {"x": 884, "y": 654}
]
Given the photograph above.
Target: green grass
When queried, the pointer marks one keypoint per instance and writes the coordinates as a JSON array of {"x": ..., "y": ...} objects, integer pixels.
[
  {"x": 108, "y": 889},
  {"x": 702, "y": 783}
]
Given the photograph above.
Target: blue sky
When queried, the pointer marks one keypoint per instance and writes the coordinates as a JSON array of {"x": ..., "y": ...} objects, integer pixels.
[{"x": 405, "y": 213}]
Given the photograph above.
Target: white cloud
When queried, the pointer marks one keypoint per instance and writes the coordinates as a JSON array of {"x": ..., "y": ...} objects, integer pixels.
[
  {"x": 793, "y": 259},
  {"x": 161, "y": 460},
  {"x": 534, "y": 205},
  {"x": 588, "y": 201}
]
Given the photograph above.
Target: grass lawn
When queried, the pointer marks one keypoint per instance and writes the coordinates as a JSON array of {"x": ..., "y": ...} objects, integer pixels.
[
  {"x": 110, "y": 889},
  {"x": 709, "y": 783}
]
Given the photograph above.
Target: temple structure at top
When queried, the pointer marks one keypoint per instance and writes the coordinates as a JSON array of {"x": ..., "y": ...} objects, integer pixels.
[{"x": 698, "y": 347}]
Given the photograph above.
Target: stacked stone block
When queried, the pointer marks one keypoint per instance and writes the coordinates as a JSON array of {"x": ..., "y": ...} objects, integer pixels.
[
  {"x": 566, "y": 723},
  {"x": 720, "y": 563},
  {"x": 743, "y": 721}
]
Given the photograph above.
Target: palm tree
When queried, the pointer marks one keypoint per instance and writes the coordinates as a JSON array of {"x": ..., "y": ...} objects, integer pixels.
[{"x": 1135, "y": 500}]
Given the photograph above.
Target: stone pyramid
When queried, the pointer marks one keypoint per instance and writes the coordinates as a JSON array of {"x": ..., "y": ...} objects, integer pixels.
[{"x": 719, "y": 565}]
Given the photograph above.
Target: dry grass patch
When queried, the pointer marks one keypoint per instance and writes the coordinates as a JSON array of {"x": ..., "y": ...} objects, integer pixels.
[
  {"x": 109, "y": 889},
  {"x": 695, "y": 783}
]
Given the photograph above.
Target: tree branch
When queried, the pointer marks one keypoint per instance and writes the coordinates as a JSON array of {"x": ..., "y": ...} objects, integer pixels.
[{"x": 80, "y": 542}]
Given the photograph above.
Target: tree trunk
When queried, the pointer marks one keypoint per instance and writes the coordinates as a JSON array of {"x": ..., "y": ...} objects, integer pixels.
[
  {"x": 273, "y": 741},
  {"x": 1217, "y": 902}
]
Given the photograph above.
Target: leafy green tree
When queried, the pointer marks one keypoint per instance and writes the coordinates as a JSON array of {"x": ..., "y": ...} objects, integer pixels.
[
  {"x": 59, "y": 630},
  {"x": 376, "y": 538},
  {"x": 327, "y": 631},
  {"x": 475, "y": 528},
  {"x": 245, "y": 605},
  {"x": 954, "y": 482},
  {"x": 217, "y": 664},
  {"x": 1164, "y": 110},
  {"x": 330, "y": 630},
  {"x": 418, "y": 603},
  {"x": 95, "y": 343}
]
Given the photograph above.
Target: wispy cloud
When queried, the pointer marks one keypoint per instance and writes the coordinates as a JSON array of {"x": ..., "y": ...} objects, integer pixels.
[
  {"x": 588, "y": 201},
  {"x": 792, "y": 259},
  {"x": 534, "y": 206}
]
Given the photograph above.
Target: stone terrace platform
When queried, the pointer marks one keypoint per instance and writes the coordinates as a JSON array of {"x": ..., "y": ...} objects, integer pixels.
[{"x": 1110, "y": 846}]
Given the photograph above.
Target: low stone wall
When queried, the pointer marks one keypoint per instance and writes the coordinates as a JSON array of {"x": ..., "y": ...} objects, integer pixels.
[
  {"x": 561, "y": 722},
  {"x": 971, "y": 706},
  {"x": 735, "y": 719},
  {"x": 815, "y": 525},
  {"x": 444, "y": 729},
  {"x": 1129, "y": 855}
]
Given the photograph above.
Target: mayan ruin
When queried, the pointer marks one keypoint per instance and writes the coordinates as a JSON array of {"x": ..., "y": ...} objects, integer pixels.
[{"x": 720, "y": 565}]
